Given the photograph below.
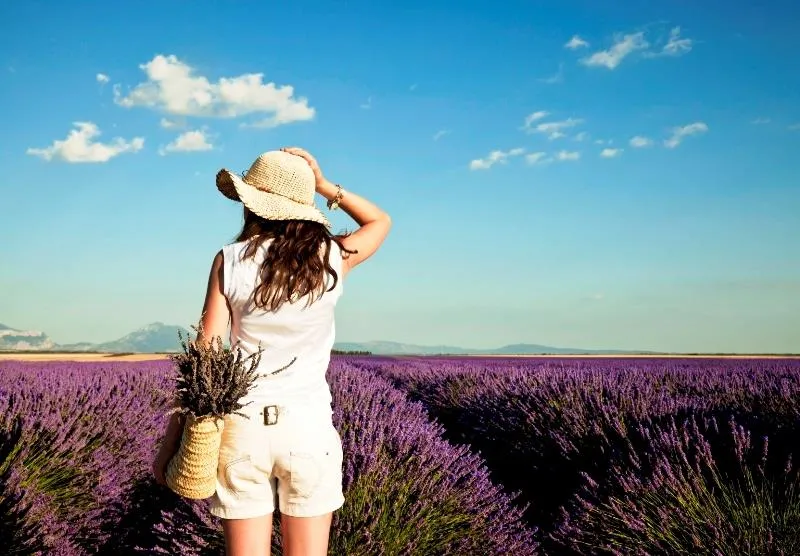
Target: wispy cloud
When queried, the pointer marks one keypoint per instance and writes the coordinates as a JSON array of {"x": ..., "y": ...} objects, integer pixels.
[
  {"x": 191, "y": 141},
  {"x": 582, "y": 136},
  {"x": 760, "y": 121},
  {"x": 173, "y": 87},
  {"x": 102, "y": 78},
  {"x": 575, "y": 43},
  {"x": 568, "y": 156},
  {"x": 537, "y": 158},
  {"x": 534, "y": 117},
  {"x": 413, "y": 87},
  {"x": 494, "y": 157},
  {"x": 680, "y": 133},
  {"x": 555, "y": 79},
  {"x": 367, "y": 105},
  {"x": 623, "y": 46},
  {"x": 167, "y": 123},
  {"x": 79, "y": 146},
  {"x": 675, "y": 45},
  {"x": 553, "y": 129},
  {"x": 439, "y": 134},
  {"x": 640, "y": 142},
  {"x": 610, "y": 153},
  {"x": 794, "y": 127}
]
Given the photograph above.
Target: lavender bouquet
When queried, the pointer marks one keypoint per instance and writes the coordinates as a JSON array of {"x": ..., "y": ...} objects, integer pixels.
[{"x": 211, "y": 381}]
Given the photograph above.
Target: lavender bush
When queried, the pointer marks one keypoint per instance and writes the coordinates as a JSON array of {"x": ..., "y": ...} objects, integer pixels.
[
  {"x": 74, "y": 439},
  {"x": 545, "y": 426},
  {"x": 407, "y": 490},
  {"x": 607, "y": 456},
  {"x": 676, "y": 499}
]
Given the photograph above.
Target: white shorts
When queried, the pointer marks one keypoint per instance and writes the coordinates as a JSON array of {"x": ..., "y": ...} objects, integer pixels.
[{"x": 290, "y": 459}]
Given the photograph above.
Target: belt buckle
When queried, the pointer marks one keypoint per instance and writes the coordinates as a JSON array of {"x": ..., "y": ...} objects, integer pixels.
[{"x": 270, "y": 414}]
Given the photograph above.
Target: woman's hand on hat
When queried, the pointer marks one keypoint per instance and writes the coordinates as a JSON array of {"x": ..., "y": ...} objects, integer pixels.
[{"x": 320, "y": 180}]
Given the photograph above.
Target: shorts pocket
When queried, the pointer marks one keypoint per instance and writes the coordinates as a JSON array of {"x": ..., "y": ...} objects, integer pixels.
[
  {"x": 240, "y": 474},
  {"x": 309, "y": 467},
  {"x": 305, "y": 473}
]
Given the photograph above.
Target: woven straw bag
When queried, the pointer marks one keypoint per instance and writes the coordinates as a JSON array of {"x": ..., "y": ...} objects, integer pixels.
[{"x": 192, "y": 471}]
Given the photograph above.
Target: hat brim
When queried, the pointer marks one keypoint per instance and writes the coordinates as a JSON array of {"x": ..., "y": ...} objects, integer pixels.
[{"x": 270, "y": 206}]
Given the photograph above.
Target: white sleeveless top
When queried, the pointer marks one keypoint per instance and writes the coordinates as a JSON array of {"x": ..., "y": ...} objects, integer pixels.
[{"x": 293, "y": 331}]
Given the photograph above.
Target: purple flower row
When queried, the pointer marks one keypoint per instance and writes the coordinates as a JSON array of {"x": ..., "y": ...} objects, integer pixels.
[
  {"x": 78, "y": 439},
  {"x": 552, "y": 429}
]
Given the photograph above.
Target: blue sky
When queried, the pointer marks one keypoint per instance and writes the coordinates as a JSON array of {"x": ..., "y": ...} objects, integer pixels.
[{"x": 567, "y": 173}]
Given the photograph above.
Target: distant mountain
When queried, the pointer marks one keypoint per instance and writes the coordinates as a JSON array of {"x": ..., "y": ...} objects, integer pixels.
[
  {"x": 395, "y": 348},
  {"x": 13, "y": 339},
  {"x": 160, "y": 337},
  {"x": 155, "y": 337}
]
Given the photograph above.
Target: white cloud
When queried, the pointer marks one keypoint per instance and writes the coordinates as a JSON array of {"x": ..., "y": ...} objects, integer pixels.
[
  {"x": 556, "y": 135},
  {"x": 190, "y": 141},
  {"x": 582, "y": 136},
  {"x": 101, "y": 78},
  {"x": 534, "y": 117},
  {"x": 367, "y": 105},
  {"x": 439, "y": 134},
  {"x": 556, "y": 78},
  {"x": 794, "y": 127},
  {"x": 760, "y": 121},
  {"x": 554, "y": 130},
  {"x": 623, "y": 46},
  {"x": 166, "y": 123},
  {"x": 537, "y": 158},
  {"x": 680, "y": 133},
  {"x": 640, "y": 142},
  {"x": 495, "y": 157},
  {"x": 676, "y": 46},
  {"x": 79, "y": 147},
  {"x": 600, "y": 142},
  {"x": 173, "y": 87},
  {"x": 565, "y": 156},
  {"x": 610, "y": 153},
  {"x": 576, "y": 42}
]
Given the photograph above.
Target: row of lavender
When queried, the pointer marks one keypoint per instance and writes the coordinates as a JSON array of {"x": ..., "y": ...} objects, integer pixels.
[
  {"x": 77, "y": 439},
  {"x": 659, "y": 456}
]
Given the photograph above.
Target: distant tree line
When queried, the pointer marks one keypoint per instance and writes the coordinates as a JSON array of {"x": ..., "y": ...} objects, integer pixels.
[{"x": 348, "y": 352}]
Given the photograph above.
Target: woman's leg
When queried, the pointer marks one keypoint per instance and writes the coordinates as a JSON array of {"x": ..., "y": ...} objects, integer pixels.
[
  {"x": 305, "y": 536},
  {"x": 248, "y": 537}
]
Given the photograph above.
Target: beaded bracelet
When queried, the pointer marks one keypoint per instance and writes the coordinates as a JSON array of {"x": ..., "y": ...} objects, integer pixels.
[{"x": 333, "y": 204}]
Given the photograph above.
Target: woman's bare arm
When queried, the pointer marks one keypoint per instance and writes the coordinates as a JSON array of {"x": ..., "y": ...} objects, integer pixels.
[
  {"x": 216, "y": 312},
  {"x": 374, "y": 224}
]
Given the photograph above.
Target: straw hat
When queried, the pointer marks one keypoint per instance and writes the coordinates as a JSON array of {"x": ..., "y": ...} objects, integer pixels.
[{"x": 277, "y": 186}]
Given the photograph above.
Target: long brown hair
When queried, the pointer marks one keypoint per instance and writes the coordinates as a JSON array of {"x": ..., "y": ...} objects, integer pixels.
[{"x": 292, "y": 267}]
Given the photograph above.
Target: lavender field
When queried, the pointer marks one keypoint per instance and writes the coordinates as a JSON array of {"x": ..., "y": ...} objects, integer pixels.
[{"x": 455, "y": 456}]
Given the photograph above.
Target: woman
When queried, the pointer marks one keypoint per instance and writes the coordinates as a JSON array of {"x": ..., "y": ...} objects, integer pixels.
[{"x": 278, "y": 285}]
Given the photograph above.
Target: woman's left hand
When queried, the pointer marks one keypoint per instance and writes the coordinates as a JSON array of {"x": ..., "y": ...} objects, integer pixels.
[
  {"x": 161, "y": 462},
  {"x": 170, "y": 443},
  {"x": 320, "y": 179}
]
